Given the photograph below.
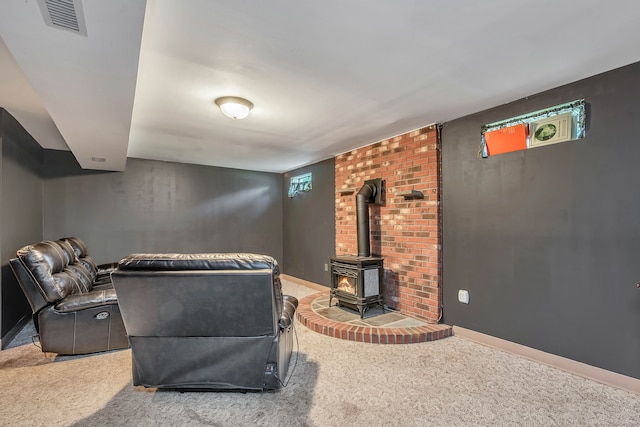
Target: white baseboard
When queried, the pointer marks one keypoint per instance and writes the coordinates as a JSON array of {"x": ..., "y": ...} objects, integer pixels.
[{"x": 603, "y": 376}]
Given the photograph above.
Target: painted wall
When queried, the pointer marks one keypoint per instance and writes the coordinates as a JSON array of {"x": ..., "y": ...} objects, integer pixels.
[
  {"x": 21, "y": 213},
  {"x": 156, "y": 206},
  {"x": 547, "y": 240},
  {"x": 309, "y": 224}
]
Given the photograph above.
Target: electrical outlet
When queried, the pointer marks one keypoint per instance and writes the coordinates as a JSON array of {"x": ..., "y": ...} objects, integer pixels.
[
  {"x": 463, "y": 296},
  {"x": 326, "y": 267}
]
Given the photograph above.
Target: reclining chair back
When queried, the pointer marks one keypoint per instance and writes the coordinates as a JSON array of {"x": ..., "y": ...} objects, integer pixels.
[
  {"x": 100, "y": 273},
  {"x": 80, "y": 252},
  {"x": 203, "y": 320},
  {"x": 30, "y": 287},
  {"x": 46, "y": 273}
]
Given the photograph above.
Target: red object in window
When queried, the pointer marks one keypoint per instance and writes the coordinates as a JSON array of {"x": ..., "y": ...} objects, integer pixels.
[{"x": 512, "y": 138}]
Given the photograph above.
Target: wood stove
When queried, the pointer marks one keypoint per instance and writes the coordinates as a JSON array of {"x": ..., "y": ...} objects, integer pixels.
[{"x": 356, "y": 282}]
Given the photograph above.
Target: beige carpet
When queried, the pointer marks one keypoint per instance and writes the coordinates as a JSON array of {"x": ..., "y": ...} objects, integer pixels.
[{"x": 450, "y": 382}]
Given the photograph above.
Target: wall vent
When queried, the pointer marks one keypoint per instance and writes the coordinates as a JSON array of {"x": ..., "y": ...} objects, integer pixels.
[{"x": 64, "y": 14}]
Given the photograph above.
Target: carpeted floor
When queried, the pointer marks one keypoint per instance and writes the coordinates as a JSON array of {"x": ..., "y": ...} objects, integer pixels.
[{"x": 449, "y": 382}]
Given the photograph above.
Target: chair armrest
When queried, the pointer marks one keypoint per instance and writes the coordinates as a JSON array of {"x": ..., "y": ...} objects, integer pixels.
[
  {"x": 289, "y": 306},
  {"x": 91, "y": 299},
  {"x": 106, "y": 269},
  {"x": 103, "y": 273},
  {"x": 103, "y": 280}
]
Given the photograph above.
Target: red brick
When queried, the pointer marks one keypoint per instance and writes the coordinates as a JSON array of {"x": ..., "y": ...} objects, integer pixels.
[{"x": 404, "y": 231}]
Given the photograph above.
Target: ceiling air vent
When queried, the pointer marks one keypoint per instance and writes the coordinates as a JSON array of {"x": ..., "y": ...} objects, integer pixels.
[{"x": 64, "y": 14}]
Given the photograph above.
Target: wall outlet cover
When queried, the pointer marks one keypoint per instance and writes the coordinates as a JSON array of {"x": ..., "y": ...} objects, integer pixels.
[{"x": 463, "y": 296}]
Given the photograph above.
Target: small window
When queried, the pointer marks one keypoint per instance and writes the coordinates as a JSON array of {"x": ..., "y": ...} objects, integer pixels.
[
  {"x": 300, "y": 183},
  {"x": 552, "y": 125}
]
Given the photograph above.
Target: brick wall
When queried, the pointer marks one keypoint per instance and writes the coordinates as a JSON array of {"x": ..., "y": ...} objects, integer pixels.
[{"x": 406, "y": 233}]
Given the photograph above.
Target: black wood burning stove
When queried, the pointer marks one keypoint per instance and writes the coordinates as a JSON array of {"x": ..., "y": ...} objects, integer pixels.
[{"x": 356, "y": 281}]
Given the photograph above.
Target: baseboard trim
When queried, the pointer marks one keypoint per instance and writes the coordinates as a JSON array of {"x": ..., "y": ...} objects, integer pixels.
[
  {"x": 600, "y": 375},
  {"x": 303, "y": 282}
]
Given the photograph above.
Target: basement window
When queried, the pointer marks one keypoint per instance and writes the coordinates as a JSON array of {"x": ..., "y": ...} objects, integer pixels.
[
  {"x": 561, "y": 123},
  {"x": 300, "y": 183}
]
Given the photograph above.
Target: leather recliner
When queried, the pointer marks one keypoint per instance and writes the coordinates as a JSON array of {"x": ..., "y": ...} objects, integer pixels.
[
  {"x": 100, "y": 274},
  {"x": 74, "y": 311},
  {"x": 206, "y": 321}
]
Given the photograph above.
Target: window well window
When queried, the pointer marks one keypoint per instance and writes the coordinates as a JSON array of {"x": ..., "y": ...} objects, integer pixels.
[{"x": 552, "y": 125}]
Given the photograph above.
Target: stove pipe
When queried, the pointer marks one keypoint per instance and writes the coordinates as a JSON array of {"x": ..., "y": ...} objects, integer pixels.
[{"x": 366, "y": 193}]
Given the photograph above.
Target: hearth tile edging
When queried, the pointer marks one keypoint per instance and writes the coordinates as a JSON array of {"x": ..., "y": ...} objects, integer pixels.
[{"x": 372, "y": 335}]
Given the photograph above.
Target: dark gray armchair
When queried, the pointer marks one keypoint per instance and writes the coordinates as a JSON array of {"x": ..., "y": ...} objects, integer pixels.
[{"x": 206, "y": 321}]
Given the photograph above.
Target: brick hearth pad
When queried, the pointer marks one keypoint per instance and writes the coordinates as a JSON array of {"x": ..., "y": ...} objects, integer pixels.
[{"x": 376, "y": 328}]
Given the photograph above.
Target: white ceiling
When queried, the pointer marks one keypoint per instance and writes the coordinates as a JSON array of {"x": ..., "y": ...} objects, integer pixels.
[{"x": 325, "y": 76}]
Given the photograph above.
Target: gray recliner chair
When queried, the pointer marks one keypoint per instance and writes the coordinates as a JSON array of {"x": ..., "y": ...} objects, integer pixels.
[{"x": 206, "y": 321}]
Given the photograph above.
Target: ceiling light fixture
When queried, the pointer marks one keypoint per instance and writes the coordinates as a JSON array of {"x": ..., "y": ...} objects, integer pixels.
[{"x": 234, "y": 107}]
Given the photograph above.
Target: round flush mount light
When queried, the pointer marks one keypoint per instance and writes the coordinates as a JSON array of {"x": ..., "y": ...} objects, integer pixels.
[{"x": 234, "y": 107}]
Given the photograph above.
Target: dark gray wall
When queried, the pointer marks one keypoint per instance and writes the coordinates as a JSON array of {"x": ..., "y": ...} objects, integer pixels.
[
  {"x": 309, "y": 224},
  {"x": 547, "y": 240},
  {"x": 21, "y": 212},
  {"x": 159, "y": 206}
]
